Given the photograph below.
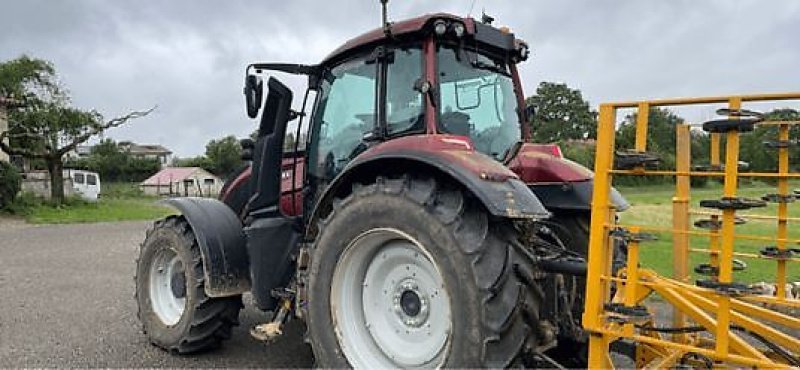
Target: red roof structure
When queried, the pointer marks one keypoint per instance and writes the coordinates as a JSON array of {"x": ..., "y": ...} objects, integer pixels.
[{"x": 171, "y": 174}]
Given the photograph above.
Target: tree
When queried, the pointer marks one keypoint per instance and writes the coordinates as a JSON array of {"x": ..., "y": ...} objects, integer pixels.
[
  {"x": 561, "y": 114},
  {"x": 47, "y": 127},
  {"x": 660, "y": 131},
  {"x": 753, "y": 148},
  {"x": 224, "y": 155}
]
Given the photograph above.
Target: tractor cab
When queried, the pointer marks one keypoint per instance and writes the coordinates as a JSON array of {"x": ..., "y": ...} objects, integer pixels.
[{"x": 437, "y": 74}]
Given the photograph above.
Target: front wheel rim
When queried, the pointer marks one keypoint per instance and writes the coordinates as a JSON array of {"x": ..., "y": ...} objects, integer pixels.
[
  {"x": 168, "y": 286},
  {"x": 389, "y": 303}
]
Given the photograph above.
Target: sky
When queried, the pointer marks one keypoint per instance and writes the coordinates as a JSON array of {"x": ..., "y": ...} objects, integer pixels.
[{"x": 188, "y": 57}]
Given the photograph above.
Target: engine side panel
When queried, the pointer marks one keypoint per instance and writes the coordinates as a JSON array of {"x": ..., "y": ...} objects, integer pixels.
[{"x": 535, "y": 165}]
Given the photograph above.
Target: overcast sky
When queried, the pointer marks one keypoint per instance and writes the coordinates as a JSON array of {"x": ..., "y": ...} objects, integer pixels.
[{"x": 188, "y": 56}]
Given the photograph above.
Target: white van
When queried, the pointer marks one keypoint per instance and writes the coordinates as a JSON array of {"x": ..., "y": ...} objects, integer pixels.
[{"x": 85, "y": 183}]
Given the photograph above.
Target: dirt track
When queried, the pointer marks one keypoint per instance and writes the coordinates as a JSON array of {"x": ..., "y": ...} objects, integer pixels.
[{"x": 67, "y": 301}]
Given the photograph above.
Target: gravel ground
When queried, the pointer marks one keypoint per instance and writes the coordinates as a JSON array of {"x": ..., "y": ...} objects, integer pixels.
[{"x": 67, "y": 301}]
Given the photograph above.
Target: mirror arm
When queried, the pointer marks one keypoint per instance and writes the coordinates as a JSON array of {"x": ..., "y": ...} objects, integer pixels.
[{"x": 297, "y": 69}]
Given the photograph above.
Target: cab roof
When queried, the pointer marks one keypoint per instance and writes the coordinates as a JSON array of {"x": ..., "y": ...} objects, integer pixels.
[{"x": 405, "y": 29}]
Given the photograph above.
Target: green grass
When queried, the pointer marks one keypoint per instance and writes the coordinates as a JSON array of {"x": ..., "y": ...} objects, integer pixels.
[
  {"x": 118, "y": 202},
  {"x": 652, "y": 206}
]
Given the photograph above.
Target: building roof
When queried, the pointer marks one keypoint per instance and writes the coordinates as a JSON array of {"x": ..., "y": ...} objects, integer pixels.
[
  {"x": 174, "y": 174},
  {"x": 134, "y": 148}
]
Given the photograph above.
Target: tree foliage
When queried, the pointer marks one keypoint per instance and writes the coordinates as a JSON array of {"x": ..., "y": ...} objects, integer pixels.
[
  {"x": 47, "y": 126},
  {"x": 223, "y": 157},
  {"x": 115, "y": 165},
  {"x": 755, "y": 152},
  {"x": 561, "y": 114}
]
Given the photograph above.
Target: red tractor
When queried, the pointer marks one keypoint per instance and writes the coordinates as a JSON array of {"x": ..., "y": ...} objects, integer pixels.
[{"x": 411, "y": 225}]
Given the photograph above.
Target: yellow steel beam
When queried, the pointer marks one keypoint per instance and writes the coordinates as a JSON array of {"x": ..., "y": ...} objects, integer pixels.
[
  {"x": 742, "y": 254},
  {"x": 642, "y": 116},
  {"x": 739, "y": 304},
  {"x": 631, "y": 278},
  {"x": 765, "y": 331},
  {"x": 738, "y": 359},
  {"x": 680, "y": 217},
  {"x": 766, "y": 175},
  {"x": 745, "y": 216},
  {"x": 723, "y": 335},
  {"x": 598, "y": 254},
  {"x": 666, "y": 362},
  {"x": 783, "y": 211},
  {"x": 716, "y": 138},
  {"x": 738, "y": 344},
  {"x": 704, "y": 233},
  {"x": 709, "y": 100}
]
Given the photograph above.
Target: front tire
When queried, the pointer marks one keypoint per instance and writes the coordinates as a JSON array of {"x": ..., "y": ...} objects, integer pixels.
[
  {"x": 413, "y": 273},
  {"x": 175, "y": 312}
]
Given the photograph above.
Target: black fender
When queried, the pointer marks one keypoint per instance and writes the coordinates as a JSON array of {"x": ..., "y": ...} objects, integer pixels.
[
  {"x": 505, "y": 197},
  {"x": 222, "y": 244},
  {"x": 573, "y": 196}
]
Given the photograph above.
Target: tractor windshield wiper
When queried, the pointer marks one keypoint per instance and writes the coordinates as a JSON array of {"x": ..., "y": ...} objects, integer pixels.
[{"x": 490, "y": 67}]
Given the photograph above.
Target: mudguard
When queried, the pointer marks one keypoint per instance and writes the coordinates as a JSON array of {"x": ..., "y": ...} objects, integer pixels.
[
  {"x": 500, "y": 190},
  {"x": 573, "y": 196},
  {"x": 222, "y": 244}
]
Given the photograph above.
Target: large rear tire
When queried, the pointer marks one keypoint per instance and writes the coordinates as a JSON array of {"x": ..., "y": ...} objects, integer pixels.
[
  {"x": 175, "y": 312},
  {"x": 414, "y": 273}
]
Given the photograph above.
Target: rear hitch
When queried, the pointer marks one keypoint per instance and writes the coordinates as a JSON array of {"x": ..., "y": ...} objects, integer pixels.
[{"x": 270, "y": 331}]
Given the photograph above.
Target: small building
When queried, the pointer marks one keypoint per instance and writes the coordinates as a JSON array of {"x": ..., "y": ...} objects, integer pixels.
[
  {"x": 147, "y": 151},
  {"x": 182, "y": 181}
]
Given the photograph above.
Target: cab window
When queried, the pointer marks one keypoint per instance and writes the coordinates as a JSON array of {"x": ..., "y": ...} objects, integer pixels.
[
  {"x": 477, "y": 100},
  {"x": 345, "y": 114},
  {"x": 78, "y": 177},
  {"x": 91, "y": 180},
  {"x": 404, "y": 105}
]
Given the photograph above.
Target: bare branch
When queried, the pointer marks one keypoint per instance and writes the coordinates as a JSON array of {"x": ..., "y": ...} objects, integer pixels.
[{"x": 116, "y": 122}]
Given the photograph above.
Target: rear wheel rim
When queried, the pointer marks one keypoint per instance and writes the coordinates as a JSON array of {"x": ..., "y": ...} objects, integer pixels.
[
  {"x": 389, "y": 303},
  {"x": 168, "y": 286}
]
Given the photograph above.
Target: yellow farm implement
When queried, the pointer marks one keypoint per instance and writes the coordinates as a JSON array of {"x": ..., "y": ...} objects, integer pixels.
[{"x": 716, "y": 321}]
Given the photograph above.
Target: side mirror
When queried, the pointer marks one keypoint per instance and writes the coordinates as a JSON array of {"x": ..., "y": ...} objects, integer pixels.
[
  {"x": 247, "y": 149},
  {"x": 253, "y": 92},
  {"x": 530, "y": 112}
]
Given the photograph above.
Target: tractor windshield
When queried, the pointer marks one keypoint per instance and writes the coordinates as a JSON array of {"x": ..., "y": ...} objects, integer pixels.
[{"x": 477, "y": 100}]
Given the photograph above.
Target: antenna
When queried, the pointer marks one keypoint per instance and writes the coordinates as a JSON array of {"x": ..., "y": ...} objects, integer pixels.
[
  {"x": 471, "y": 5},
  {"x": 387, "y": 26}
]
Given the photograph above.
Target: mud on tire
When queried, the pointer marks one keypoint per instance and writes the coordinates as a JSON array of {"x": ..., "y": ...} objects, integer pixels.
[
  {"x": 203, "y": 322},
  {"x": 493, "y": 306}
]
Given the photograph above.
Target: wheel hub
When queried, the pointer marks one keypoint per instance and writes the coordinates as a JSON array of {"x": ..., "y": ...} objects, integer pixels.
[
  {"x": 410, "y": 304},
  {"x": 389, "y": 304},
  {"x": 167, "y": 286}
]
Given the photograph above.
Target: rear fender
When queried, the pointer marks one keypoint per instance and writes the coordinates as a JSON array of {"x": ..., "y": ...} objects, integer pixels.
[
  {"x": 222, "y": 244},
  {"x": 500, "y": 190}
]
